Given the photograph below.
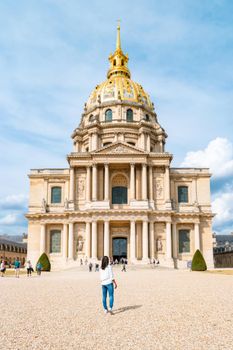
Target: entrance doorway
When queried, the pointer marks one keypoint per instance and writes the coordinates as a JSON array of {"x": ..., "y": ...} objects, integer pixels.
[{"x": 119, "y": 248}]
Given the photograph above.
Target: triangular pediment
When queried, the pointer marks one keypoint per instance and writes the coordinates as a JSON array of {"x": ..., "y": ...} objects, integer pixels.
[{"x": 119, "y": 148}]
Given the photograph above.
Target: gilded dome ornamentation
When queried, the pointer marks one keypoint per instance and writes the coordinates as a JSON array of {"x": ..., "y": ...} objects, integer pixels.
[{"x": 119, "y": 85}]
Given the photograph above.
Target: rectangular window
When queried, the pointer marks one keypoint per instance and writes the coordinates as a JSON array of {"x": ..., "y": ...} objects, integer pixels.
[
  {"x": 183, "y": 194},
  {"x": 55, "y": 241},
  {"x": 184, "y": 241},
  {"x": 56, "y": 195}
]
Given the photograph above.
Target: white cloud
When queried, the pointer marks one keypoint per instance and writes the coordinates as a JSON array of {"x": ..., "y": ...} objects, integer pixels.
[
  {"x": 9, "y": 219},
  {"x": 223, "y": 207},
  {"x": 16, "y": 201},
  {"x": 218, "y": 156}
]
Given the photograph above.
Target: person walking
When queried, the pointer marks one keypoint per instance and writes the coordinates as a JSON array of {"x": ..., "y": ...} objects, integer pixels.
[
  {"x": 29, "y": 268},
  {"x": 39, "y": 268},
  {"x": 3, "y": 268},
  {"x": 108, "y": 284},
  {"x": 17, "y": 267},
  {"x": 123, "y": 267},
  {"x": 90, "y": 266}
]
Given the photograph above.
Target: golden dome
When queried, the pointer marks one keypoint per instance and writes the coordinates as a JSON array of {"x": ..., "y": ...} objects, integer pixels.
[{"x": 118, "y": 85}]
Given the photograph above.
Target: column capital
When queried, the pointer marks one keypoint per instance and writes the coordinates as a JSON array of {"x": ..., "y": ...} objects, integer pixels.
[
  {"x": 132, "y": 164},
  {"x": 144, "y": 164},
  {"x": 106, "y": 164}
]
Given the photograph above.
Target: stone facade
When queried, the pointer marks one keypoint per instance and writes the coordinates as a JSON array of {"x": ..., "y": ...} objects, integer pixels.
[{"x": 119, "y": 184}]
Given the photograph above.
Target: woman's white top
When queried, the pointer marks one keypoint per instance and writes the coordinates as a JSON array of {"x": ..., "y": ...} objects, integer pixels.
[{"x": 106, "y": 276}]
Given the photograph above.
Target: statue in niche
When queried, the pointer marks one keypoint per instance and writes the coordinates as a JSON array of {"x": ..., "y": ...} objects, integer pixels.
[
  {"x": 159, "y": 245},
  {"x": 66, "y": 204},
  {"x": 80, "y": 244},
  {"x": 44, "y": 206},
  {"x": 81, "y": 187}
]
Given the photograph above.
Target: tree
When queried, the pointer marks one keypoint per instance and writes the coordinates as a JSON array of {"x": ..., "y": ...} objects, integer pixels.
[
  {"x": 44, "y": 260},
  {"x": 198, "y": 262}
]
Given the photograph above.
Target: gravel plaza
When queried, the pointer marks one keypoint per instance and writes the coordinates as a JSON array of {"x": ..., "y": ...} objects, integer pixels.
[{"x": 154, "y": 309}]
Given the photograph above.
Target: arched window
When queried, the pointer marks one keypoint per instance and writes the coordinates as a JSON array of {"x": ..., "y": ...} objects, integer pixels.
[
  {"x": 114, "y": 62},
  {"x": 184, "y": 241},
  {"x": 55, "y": 241},
  {"x": 122, "y": 62},
  {"x": 182, "y": 194},
  {"x": 146, "y": 118},
  {"x": 56, "y": 195},
  {"x": 108, "y": 115},
  {"x": 129, "y": 115},
  {"x": 91, "y": 118},
  {"x": 119, "y": 190}
]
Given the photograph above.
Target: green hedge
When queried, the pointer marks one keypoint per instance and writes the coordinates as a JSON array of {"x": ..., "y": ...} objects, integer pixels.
[
  {"x": 44, "y": 260},
  {"x": 198, "y": 262}
]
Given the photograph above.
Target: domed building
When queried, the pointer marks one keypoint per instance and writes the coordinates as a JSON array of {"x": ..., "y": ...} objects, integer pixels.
[{"x": 119, "y": 197}]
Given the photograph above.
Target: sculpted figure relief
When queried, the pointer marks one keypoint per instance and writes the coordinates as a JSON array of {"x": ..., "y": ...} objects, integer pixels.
[
  {"x": 80, "y": 244},
  {"x": 44, "y": 205},
  {"x": 159, "y": 245}
]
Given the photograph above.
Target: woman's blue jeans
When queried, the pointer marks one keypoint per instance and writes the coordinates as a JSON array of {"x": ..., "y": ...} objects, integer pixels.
[{"x": 108, "y": 288}]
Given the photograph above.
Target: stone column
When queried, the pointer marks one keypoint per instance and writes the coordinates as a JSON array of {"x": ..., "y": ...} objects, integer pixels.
[
  {"x": 106, "y": 182},
  {"x": 161, "y": 146},
  {"x": 148, "y": 143},
  {"x": 197, "y": 236},
  {"x": 94, "y": 141},
  {"x": 106, "y": 238},
  {"x": 152, "y": 240},
  {"x": 94, "y": 240},
  {"x": 71, "y": 241},
  {"x": 71, "y": 194},
  {"x": 64, "y": 241},
  {"x": 88, "y": 184},
  {"x": 132, "y": 180},
  {"x": 168, "y": 241},
  {"x": 175, "y": 243},
  {"x": 145, "y": 241},
  {"x": 42, "y": 238},
  {"x": 88, "y": 239},
  {"x": 94, "y": 182},
  {"x": 144, "y": 181},
  {"x": 151, "y": 183},
  {"x": 143, "y": 140},
  {"x": 132, "y": 241},
  {"x": 90, "y": 142},
  {"x": 167, "y": 184}
]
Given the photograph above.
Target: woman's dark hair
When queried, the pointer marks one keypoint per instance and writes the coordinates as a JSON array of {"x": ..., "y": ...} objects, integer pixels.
[{"x": 104, "y": 262}]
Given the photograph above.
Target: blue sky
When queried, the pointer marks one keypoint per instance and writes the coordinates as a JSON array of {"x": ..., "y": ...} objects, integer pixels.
[{"x": 54, "y": 52}]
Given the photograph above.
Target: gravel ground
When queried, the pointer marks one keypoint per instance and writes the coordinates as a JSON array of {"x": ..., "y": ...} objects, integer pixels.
[{"x": 154, "y": 309}]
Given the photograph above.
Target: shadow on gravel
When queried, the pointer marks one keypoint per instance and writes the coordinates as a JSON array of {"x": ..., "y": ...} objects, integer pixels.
[{"x": 126, "y": 308}]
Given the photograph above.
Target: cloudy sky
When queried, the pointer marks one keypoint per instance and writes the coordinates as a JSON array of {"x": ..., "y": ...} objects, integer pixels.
[{"x": 54, "y": 52}]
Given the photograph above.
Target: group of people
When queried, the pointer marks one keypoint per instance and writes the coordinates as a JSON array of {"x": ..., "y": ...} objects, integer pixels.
[{"x": 17, "y": 266}]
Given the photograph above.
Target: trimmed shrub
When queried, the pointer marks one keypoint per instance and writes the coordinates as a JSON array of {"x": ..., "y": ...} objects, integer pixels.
[
  {"x": 198, "y": 262},
  {"x": 44, "y": 260}
]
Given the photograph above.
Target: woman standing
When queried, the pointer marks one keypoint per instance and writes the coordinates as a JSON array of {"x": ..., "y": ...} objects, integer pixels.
[
  {"x": 3, "y": 268},
  {"x": 29, "y": 268},
  {"x": 107, "y": 281}
]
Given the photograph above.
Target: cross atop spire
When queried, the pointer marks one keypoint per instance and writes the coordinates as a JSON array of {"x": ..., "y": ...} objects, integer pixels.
[{"x": 118, "y": 41}]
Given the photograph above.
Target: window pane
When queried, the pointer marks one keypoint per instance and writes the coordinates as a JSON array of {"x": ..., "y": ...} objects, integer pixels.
[
  {"x": 108, "y": 115},
  {"x": 184, "y": 241},
  {"x": 129, "y": 115},
  {"x": 119, "y": 195},
  {"x": 183, "y": 194},
  {"x": 55, "y": 241},
  {"x": 56, "y": 195}
]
